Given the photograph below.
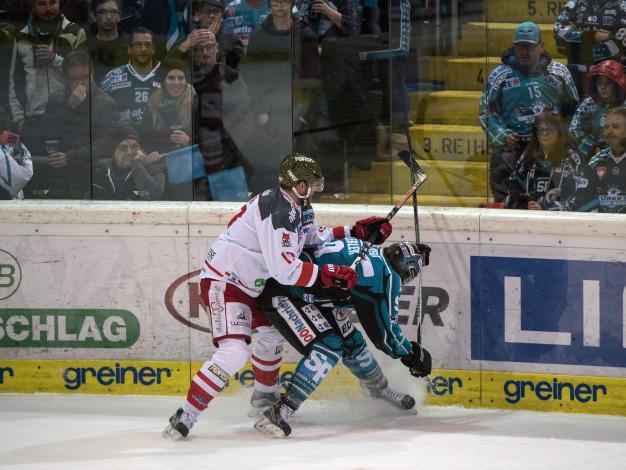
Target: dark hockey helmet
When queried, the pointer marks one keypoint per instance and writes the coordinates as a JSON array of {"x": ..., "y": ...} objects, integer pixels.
[
  {"x": 296, "y": 167},
  {"x": 405, "y": 259}
]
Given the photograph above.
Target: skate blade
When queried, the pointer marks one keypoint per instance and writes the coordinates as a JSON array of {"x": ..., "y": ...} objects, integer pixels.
[
  {"x": 172, "y": 434},
  {"x": 265, "y": 426}
]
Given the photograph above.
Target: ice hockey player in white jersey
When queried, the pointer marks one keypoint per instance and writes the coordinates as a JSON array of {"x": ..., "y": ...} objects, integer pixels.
[{"x": 264, "y": 240}]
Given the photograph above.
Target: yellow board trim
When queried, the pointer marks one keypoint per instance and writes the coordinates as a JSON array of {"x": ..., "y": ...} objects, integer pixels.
[{"x": 472, "y": 389}]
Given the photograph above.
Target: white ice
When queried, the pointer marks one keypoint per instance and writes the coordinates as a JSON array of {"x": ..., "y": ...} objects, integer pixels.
[{"x": 96, "y": 432}]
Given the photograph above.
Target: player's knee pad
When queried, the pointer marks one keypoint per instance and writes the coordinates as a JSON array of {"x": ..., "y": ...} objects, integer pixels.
[
  {"x": 269, "y": 338},
  {"x": 353, "y": 344},
  {"x": 231, "y": 355},
  {"x": 332, "y": 342}
]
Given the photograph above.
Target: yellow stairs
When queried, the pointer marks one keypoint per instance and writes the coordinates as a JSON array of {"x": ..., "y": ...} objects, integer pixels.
[{"x": 446, "y": 136}]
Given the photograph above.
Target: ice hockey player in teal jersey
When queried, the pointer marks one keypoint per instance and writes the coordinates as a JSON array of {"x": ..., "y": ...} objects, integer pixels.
[{"x": 317, "y": 325}]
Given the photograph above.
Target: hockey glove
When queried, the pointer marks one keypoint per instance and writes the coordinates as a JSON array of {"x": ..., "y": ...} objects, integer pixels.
[
  {"x": 419, "y": 361},
  {"x": 424, "y": 251},
  {"x": 336, "y": 275},
  {"x": 364, "y": 228}
]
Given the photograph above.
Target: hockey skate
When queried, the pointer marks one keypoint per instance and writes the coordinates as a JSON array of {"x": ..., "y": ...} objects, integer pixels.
[
  {"x": 259, "y": 401},
  {"x": 398, "y": 399},
  {"x": 274, "y": 420},
  {"x": 180, "y": 424}
]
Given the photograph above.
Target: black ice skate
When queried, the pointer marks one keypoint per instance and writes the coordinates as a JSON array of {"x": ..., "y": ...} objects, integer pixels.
[
  {"x": 261, "y": 400},
  {"x": 180, "y": 424},
  {"x": 274, "y": 420},
  {"x": 398, "y": 399}
]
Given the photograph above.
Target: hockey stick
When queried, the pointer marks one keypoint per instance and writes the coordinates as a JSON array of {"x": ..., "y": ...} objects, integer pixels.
[
  {"x": 407, "y": 158},
  {"x": 419, "y": 180}
]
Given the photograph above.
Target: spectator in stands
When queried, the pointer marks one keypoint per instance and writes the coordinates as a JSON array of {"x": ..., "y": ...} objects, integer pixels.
[
  {"x": 129, "y": 174},
  {"x": 168, "y": 20},
  {"x": 65, "y": 171},
  {"x": 268, "y": 68},
  {"x": 77, "y": 11},
  {"x": 332, "y": 23},
  {"x": 167, "y": 123},
  {"x": 243, "y": 16},
  {"x": 548, "y": 171},
  {"x": 16, "y": 167},
  {"x": 224, "y": 118},
  {"x": 589, "y": 31},
  {"x": 131, "y": 15},
  {"x": 108, "y": 44},
  {"x": 607, "y": 90},
  {"x": 527, "y": 83},
  {"x": 330, "y": 18},
  {"x": 7, "y": 36},
  {"x": 207, "y": 19},
  {"x": 608, "y": 186},
  {"x": 132, "y": 84},
  {"x": 36, "y": 83}
]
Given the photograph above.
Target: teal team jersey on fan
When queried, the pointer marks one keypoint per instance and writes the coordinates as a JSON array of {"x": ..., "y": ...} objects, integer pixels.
[
  {"x": 511, "y": 99},
  {"x": 242, "y": 18}
]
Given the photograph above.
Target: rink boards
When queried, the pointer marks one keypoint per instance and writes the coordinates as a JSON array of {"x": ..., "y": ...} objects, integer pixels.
[{"x": 521, "y": 310}]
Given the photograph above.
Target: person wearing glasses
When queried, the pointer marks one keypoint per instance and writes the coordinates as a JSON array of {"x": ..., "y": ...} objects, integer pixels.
[
  {"x": 129, "y": 174},
  {"x": 550, "y": 171},
  {"x": 527, "y": 83},
  {"x": 207, "y": 20},
  {"x": 131, "y": 85},
  {"x": 107, "y": 42}
]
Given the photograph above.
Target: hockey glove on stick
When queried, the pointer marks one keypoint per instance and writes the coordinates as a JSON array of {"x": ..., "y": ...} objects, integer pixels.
[
  {"x": 419, "y": 361},
  {"x": 424, "y": 251},
  {"x": 366, "y": 228},
  {"x": 337, "y": 275}
]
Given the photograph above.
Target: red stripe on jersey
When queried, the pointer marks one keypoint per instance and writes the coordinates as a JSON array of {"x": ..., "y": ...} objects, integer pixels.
[
  {"x": 267, "y": 363},
  {"x": 213, "y": 269},
  {"x": 208, "y": 381},
  {"x": 306, "y": 274}
]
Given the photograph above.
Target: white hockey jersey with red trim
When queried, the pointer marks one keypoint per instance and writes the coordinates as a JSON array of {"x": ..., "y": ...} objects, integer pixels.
[{"x": 265, "y": 240}]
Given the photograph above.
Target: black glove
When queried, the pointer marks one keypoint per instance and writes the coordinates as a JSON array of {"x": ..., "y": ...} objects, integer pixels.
[
  {"x": 419, "y": 361},
  {"x": 424, "y": 251}
]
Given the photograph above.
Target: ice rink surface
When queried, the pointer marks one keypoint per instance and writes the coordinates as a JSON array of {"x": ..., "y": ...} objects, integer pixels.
[{"x": 93, "y": 432}]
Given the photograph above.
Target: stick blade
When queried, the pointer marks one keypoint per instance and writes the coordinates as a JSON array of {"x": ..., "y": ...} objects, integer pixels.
[{"x": 409, "y": 161}]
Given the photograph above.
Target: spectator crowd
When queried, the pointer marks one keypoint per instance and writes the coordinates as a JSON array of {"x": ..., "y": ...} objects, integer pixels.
[
  {"x": 557, "y": 133},
  {"x": 154, "y": 99},
  {"x": 151, "y": 99}
]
